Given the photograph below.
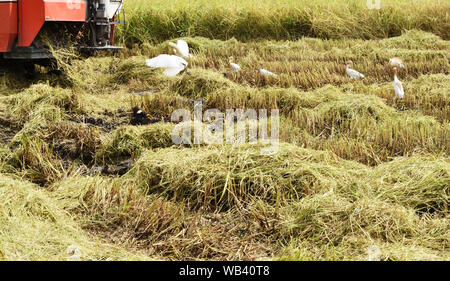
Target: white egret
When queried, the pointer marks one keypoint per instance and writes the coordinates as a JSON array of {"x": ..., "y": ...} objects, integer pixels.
[
  {"x": 266, "y": 72},
  {"x": 233, "y": 65},
  {"x": 398, "y": 86},
  {"x": 181, "y": 49},
  {"x": 353, "y": 74},
  {"x": 396, "y": 62},
  {"x": 172, "y": 64}
]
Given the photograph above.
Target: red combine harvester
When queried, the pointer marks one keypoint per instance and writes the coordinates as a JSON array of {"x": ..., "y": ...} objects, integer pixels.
[{"x": 90, "y": 23}]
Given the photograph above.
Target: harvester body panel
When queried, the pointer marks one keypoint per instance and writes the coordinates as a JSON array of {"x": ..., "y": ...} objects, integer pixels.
[
  {"x": 33, "y": 14},
  {"x": 8, "y": 25}
]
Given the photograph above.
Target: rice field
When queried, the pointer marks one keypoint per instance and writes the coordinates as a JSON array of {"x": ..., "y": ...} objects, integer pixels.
[{"x": 356, "y": 169}]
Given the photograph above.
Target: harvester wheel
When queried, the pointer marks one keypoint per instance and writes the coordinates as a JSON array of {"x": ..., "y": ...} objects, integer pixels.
[{"x": 30, "y": 70}]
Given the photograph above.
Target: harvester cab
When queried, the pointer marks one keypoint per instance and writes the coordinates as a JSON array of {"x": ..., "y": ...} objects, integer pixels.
[{"x": 87, "y": 24}]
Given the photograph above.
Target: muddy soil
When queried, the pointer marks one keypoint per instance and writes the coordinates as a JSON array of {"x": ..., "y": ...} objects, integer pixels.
[{"x": 7, "y": 131}]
